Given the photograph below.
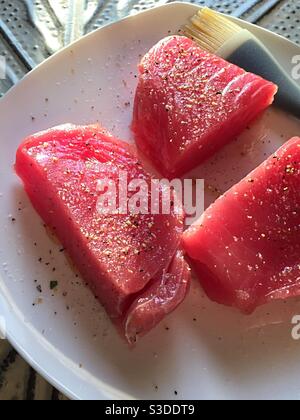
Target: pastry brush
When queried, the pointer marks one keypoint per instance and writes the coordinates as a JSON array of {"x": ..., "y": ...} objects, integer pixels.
[{"x": 218, "y": 35}]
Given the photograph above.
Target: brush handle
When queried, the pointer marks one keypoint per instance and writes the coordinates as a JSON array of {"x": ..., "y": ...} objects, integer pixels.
[{"x": 248, "y": 52}]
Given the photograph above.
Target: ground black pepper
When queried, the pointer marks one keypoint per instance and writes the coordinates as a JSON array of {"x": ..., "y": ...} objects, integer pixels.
[{"x": 53, "y": 284}]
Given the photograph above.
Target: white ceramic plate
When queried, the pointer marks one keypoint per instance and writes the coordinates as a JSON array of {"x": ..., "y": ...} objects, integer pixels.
[{"x": 201, "y": 351}]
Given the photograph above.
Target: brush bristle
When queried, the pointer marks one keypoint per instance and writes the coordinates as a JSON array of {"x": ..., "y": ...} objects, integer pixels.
[{"x": 210, "y": 29}]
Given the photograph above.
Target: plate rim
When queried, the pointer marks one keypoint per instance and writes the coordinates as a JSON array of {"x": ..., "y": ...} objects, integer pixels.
[{"x": 174, "y": 4}]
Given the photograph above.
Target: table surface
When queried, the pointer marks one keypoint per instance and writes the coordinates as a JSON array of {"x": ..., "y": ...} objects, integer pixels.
[{"x": 31, "y": 31}]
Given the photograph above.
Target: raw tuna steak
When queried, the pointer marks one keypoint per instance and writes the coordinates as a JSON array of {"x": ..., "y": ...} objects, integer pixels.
[
  {"x": 119, "y": 255},
  {"x": 246, "y": 246},
  {"x": 190, "y": 103}
]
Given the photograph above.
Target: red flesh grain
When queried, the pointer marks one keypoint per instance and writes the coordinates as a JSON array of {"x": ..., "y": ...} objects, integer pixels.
[
  {"x": 190, "y": 103},
  {"x": 118, "y": 255},
  {"x": 246, "y": 246}
]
